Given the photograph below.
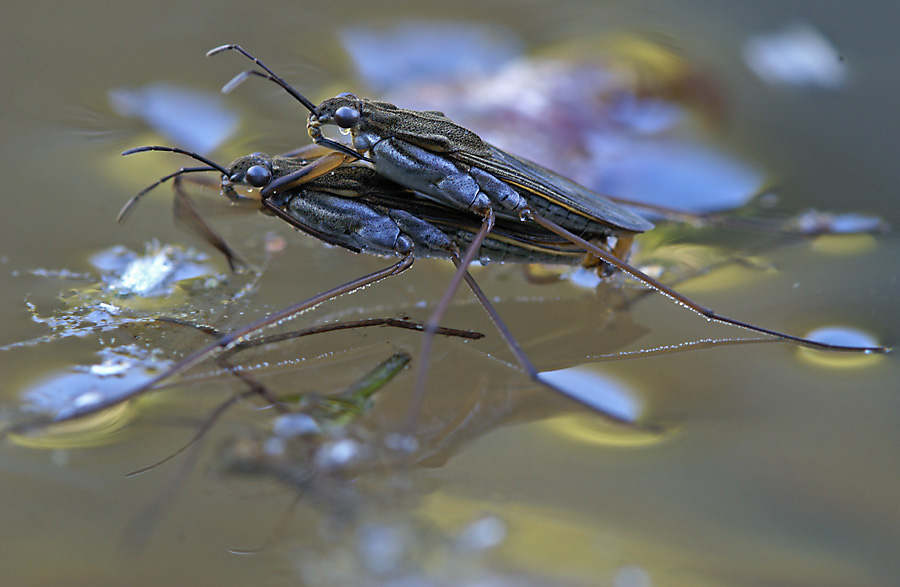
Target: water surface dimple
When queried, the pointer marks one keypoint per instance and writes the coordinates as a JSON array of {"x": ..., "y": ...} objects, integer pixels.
[
  {"x": 608, "y": 395},
  {"x": 845, "y": 336}
]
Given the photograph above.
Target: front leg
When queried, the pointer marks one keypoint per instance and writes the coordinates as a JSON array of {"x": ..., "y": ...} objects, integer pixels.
[{"x": 305, "y": 174}]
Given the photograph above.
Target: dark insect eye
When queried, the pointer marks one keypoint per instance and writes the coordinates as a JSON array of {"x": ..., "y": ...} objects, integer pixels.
[
  {"x": 346, "y": 117},
  {"x": 258, "y": 176}
]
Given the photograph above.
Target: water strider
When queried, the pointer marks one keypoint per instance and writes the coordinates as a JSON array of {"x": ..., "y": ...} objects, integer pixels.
[
  {"x": 454, "y": 168},
  {"x": 351, "y": 206},
  {"x": 348, "y": 204},
  {"x": 416, "y": 184}
]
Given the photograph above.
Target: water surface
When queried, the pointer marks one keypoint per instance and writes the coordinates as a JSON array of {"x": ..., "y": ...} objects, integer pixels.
[{"x": 775, "y": 466}]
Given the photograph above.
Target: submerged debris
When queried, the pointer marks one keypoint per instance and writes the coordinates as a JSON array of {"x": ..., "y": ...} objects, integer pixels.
[
  {"x": 158, "y": 272},
  {"x": 125, "y": 288}
]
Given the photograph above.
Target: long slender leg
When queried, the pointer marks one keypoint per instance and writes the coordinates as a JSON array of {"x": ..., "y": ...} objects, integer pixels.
[
  {"x": 227, "y": 341},
  {"x": 461, "y": 274},
  {"x": 686, "y": 301},
  {"x": 431, "y": 326},
  {"x": 779, "y": 226},
  {"x": 362, "y": 323},
  {"x": 186, "y": 213},
  {"x": 523, "y": 359}
]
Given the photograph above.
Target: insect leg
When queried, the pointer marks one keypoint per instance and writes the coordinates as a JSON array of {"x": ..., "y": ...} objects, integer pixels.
[
  {"x": 227, "y": 341},
  {"x": 354, "y": 324},
  {"x": 186, "y": 214},
  {"x": 307, "y": 173},
  {"x": 256, "y": 388},
  {"x": 431, "y": 326},
  {"x": 463, "y": 187},
  {"x": 419, "y": 169},
  {"x": 805, "y": 224},
  {"x": 686, "y": 301},
  {"x": 461, "y": 274},
  {"x": 523, "y": 359}
]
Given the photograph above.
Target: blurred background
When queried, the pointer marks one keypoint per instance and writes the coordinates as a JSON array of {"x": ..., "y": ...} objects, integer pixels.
[{"x": 774, "y": 465}]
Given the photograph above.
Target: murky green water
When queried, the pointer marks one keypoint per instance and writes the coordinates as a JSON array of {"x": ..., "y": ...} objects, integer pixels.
[{"x": 775, "y": 467}]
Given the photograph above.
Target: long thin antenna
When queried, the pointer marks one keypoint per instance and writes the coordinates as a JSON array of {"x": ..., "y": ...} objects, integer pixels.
[
  {"x": 190, "y": 154},
  {"x": 274, "y": 77},
  {"x": 210, "y": 166}
]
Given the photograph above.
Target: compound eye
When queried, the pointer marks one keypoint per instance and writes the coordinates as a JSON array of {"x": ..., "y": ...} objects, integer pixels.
[
  {"x": 346, "y": 117},
  {"x": 258, "y": 176}
]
